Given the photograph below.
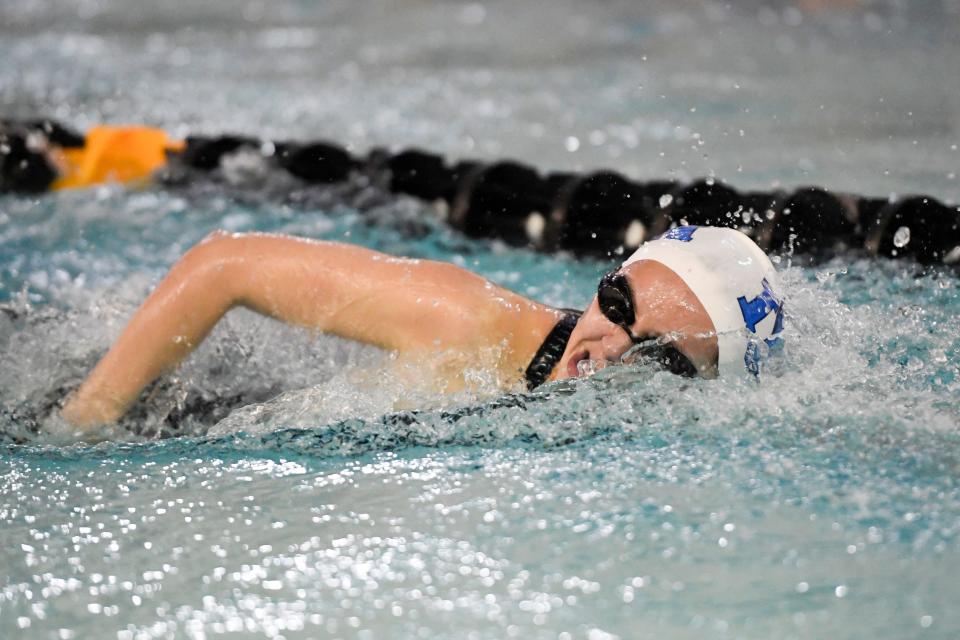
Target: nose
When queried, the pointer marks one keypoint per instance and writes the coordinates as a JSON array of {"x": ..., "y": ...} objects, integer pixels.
[{"x": 615, "y": 343}]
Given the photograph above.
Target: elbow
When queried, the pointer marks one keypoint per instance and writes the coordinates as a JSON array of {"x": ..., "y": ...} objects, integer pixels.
[
  {"x": 215, "y": 246},
  {"x": 213, "y": 265},
  {"x": 212, "y": 246},
  {"x": 217, "y": 236}
]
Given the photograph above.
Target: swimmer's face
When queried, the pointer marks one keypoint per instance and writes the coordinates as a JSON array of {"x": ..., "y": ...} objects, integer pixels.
[{"x": 664, "y": 307}]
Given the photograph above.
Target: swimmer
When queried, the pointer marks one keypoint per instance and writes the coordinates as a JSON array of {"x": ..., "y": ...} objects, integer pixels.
[{"x": 697, "y": 300}]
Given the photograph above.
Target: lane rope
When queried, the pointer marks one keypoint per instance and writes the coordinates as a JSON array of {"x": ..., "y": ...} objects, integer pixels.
[{"x": 582, "y": 213}]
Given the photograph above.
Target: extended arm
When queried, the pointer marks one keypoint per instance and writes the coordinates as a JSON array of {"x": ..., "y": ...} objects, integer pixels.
[{"x": 335, "y": 288}]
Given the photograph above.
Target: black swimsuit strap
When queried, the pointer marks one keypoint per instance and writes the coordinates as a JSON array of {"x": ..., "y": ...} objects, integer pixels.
[{"x": 552, "y": 349}]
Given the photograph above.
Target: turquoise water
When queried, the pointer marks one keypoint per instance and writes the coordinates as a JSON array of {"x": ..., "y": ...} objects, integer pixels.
[
  {"x": 282, "y": 485},
  {"x": 821, "y": 501}
]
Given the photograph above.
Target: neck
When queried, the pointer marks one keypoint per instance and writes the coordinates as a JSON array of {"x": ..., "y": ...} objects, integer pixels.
[
  {"x": 552, "y": 347},
  {"x": 522, "y": 334}
]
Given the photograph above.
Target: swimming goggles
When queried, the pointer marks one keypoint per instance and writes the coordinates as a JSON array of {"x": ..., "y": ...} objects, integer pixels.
[{"x": 615, "y": 298}]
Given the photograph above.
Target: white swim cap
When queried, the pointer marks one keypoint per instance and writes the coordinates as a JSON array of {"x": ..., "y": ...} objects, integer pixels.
[{"x": 735, "y": 282}]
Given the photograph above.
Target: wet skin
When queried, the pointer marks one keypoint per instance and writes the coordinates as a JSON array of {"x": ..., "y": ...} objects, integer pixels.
[{"x": 664, "y": 305}]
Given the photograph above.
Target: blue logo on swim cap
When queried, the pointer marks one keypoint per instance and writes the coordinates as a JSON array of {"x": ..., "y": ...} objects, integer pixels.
[
  {"x": 683, "y": 234},
  {"x": 754, "y": 312}
]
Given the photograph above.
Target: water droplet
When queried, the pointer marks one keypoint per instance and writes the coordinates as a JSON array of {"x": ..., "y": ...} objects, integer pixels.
[
  {"x": 902, "y": 237},
  {"x": 588, "y": 368},
  {"x": 635, "y": 235},
  {"x": 665, "y": 200}
]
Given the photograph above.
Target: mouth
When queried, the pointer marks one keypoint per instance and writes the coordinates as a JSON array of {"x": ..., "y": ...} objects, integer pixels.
[
  {"x": 573, "y": 365},
  {"x": 582, "y": 365}
]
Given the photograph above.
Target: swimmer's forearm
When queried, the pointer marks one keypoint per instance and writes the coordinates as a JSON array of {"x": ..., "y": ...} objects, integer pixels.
[{"x": 169, "y": 325}]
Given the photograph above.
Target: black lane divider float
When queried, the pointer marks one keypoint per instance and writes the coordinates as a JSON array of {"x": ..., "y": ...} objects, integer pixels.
[{"x": 596, "y": 213}]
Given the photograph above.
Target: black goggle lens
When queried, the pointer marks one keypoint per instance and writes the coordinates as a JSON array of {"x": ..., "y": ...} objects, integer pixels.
[
  {"x": 676, "y": 363},
  {"x": 615, "y": 299},
  {"x": 663, "y": 353}
]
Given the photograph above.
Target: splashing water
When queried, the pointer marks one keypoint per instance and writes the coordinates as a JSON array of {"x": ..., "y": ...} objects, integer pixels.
[{"x": 281, "y": 484}]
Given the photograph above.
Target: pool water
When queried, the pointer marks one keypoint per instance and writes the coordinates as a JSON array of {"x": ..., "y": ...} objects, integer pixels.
[{"x": 281, "y": 484}]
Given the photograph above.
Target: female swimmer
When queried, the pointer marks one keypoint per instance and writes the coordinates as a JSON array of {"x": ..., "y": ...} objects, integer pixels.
[{"x": 691, "y": 299}]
